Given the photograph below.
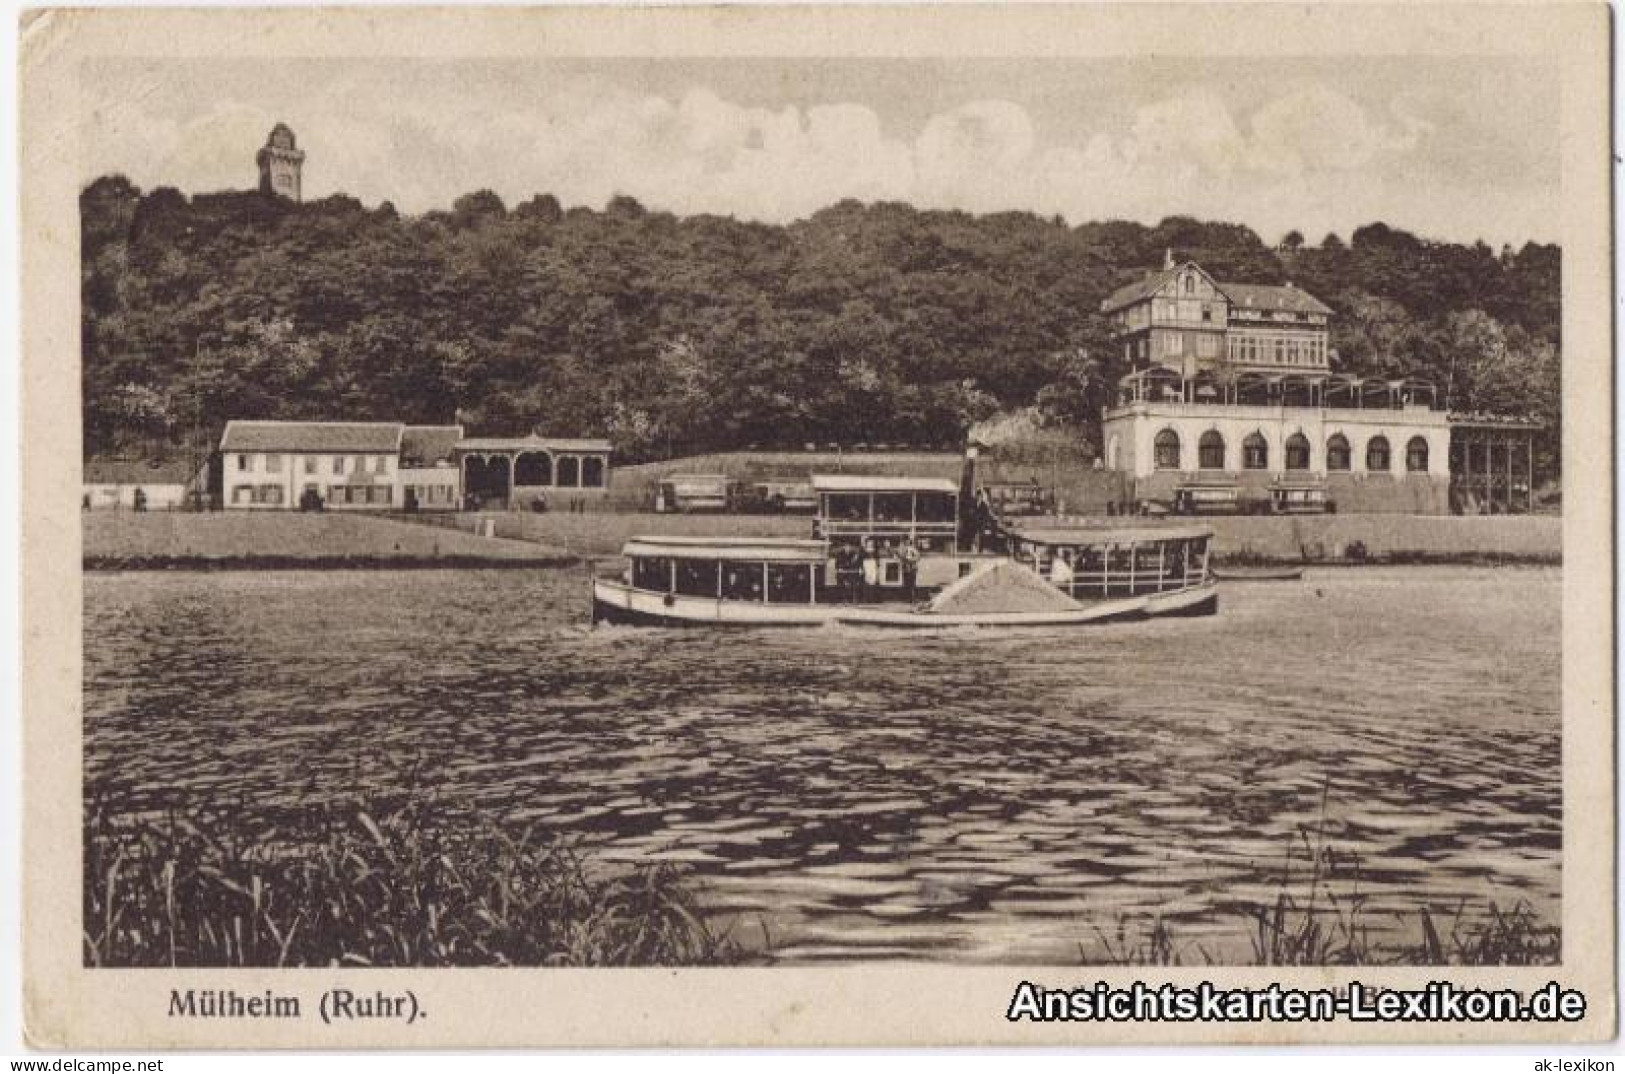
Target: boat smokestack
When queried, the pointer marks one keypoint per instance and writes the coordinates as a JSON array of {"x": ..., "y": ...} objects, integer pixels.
[{"x": 967, "y": 495}]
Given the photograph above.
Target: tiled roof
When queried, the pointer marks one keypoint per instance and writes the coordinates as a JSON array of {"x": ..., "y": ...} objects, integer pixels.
[
  {"x": 1134, "y": 292},
  {"x": 139, "y": 472},
  {"x": 1265, "y": 297},
  {"x": 377, "y": 436},
  {"x": 429, "y": 444}
]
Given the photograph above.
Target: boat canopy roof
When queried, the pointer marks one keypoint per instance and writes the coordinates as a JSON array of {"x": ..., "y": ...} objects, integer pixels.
[
  {"x": 879, "y": 483},
  {"x": 754, "y": 549},
  {"x": 1106, "y": 534}
]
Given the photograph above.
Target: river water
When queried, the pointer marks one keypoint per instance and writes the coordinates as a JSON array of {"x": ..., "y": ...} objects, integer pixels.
[{"x": 957, "y": 796}]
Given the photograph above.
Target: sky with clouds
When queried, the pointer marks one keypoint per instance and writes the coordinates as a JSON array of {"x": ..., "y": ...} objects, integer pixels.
[{"x": 1457, "y": 149}]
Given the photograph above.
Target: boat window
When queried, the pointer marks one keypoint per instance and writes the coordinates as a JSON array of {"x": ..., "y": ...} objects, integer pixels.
[
  {"x": 1173, "y": 557},
  {"x": 934, "y": 506},
  {"x": 1089, "y": 558},
  {"x": 1120, "y": 558},
  {"x": 651, "y": 572},
  {"x": 847, "y": 506},
  {"x": 697, "y": 577},
  {"x": 741, "y": 581},
  {"x": 789, "y": 583},
  {"x": 894, "y": 507},
  {"x": 1147, "y": 557}
]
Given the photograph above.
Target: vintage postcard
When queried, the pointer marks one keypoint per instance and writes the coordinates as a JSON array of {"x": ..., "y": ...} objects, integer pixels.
[{"x": 822, "y": 525}]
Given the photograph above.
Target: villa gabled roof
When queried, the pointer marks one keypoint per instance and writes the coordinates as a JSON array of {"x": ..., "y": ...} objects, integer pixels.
[
  {"x": 1259, "y": 296},
  {"x": 1141, "y": 290},
  {"x": 294, "y": 436},
  {"x": 1244, "y": 296},
  {"x": 429, "y": 444},
  {"x": 1137, "y": 291}
]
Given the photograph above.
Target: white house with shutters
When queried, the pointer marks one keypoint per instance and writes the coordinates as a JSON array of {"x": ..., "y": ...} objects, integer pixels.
[{"x": 270, "y": 465}]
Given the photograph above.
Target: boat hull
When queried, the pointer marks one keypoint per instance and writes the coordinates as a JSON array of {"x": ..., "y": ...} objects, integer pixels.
[
  {"x": 1258, "y": 574},
  {"x": 618, "y": 603}
]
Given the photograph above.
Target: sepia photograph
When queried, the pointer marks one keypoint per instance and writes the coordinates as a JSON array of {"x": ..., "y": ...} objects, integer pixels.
[{"x": 1100, "y": 511}]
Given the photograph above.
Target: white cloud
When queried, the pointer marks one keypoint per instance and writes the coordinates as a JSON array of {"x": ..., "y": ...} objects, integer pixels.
[{"x": 1308, "y": 157}]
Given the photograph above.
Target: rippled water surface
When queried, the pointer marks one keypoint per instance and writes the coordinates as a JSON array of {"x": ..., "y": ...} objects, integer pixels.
[{"x": 957, "y": 796}]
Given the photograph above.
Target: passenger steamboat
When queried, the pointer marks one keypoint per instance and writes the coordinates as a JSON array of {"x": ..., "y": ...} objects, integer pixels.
[{"x": 907, "y": 552}]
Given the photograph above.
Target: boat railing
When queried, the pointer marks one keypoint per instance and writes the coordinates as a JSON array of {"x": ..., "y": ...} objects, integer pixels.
[{"x": 865, "y": 527}]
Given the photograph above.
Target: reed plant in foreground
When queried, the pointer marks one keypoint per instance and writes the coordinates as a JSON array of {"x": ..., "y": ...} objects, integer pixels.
[
  {"x": 395, "y": 887},
  {"x": 1320, "y": 916}
]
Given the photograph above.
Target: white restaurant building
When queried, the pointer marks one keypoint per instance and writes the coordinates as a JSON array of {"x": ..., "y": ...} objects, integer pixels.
[{"x": 1232, "y": 385}]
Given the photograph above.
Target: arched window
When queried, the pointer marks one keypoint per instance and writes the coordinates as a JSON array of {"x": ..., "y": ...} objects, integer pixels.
[
  {"x": 1416, "y": 455},
  {"x": 533, "y": 468},
  {"x": 1376, "y": 454},
  {"x": 1337, "y": 452},
  {"x": 592, "y": 472},
  {"x": 1210, "y": 451},
  {"x": 1167, "y": 450},
  {"x": 1297, "y": 452},
  {"x": 568, "y": 472},
  {"x": 1255, "y": 453}
]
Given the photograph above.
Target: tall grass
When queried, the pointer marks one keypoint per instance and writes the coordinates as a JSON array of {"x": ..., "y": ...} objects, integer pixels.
[{"x": 400, "y": 887}]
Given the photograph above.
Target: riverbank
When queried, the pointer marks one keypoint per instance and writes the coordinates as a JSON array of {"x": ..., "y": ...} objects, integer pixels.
[
  {"x": 125, "y": 540},
  {"x": 1408, "y": 539},
  {"x": 1299, "y": 539},
  {"x": 292, "y": 541}
]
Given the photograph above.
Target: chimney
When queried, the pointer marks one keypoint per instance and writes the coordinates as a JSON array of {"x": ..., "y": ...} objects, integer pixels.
[{"x": 1167, "y": 258}]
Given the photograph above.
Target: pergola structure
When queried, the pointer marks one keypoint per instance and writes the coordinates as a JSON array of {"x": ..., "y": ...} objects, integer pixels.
[
  {"x": 1492, "y": 464},
  {"x": 498, "y": 468},
  {"x": 1160, "y": 384}
]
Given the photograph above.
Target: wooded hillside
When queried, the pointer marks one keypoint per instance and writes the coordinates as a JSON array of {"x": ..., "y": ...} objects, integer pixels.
[{"x": 876, "y": 323}]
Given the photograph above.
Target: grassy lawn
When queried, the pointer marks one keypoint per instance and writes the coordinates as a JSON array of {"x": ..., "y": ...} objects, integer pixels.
[
  {"x": 1310, "y": 538},
  {"x": 1292, "y": 539},
  {"x": 271, "y": 539},
  {"x": 116, "y": 537}
]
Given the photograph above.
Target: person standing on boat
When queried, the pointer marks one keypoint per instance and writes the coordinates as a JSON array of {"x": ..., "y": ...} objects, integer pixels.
[
  {"x": 848, "y": 570},
  {"x": 1060, "y": 570},
  {"x": 909, "y": 558},
  {"x": 871, "y": 570}
]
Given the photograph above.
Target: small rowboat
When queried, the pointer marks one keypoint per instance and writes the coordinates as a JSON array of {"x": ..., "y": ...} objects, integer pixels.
[{"x": 1258, "y": 574}]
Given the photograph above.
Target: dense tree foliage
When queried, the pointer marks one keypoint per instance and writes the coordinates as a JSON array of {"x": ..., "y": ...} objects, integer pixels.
[{"x": 876, "y": 323}]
